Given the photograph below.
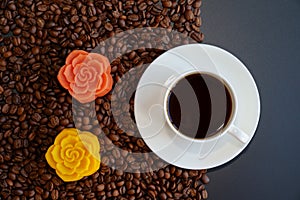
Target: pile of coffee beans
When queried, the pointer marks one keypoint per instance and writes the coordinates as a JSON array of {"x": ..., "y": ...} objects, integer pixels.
[{"x": 35, "y": 39}]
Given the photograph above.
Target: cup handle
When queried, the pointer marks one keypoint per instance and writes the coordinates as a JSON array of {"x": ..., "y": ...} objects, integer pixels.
[{"x": 238, "y": 134}]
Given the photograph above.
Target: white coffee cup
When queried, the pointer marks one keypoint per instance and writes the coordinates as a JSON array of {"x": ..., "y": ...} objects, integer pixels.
[{"x": 229, "y": 128}]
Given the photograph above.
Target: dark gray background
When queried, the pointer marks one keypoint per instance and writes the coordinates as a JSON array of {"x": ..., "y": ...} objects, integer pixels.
[{"x": 265, "y": 35}]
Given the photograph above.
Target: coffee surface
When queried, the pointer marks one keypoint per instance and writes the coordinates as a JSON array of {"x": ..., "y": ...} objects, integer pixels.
[{"x": 199, "y": 105}]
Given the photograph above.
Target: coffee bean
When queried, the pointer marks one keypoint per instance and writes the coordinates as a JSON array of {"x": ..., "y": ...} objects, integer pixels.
[
  {"x": 167, "y": 4},
  {"x": 185, "y": 175},
  {"x": 39, "y": 190},
  {"x": 38, "y": 197},
  {"x": 204, "y": 194},
  {"x": 49, "y": 186},
  {"x": 74, "y": 19},
  {"x": 18, "y": 143},
  {"x": 36, "y": 117},
  {"x": 205, "y": 179},
  {"x": 85, "y": 120},
  {"x": 54, "y": 194},
  {"x": 54, "y": 121},
  {"x": 12, "y": 6},
  {"x": 78, "y": 43},
  {"x": 7, "y": 54},
  {"x": 17, "y": 31},
  {"x": 9, "y": 182},
  {"x": 20, "y": 22},
  {"x": 122, "y": 23},
  {"x": 197, "y": 4},
  {"x": 152, "y": 194},
  {"x": 100, "y": 187},
  {"x": 197, "y": 36},
  {"x": 189, "y": 15},
  {"x": 18, "y": 192},
  {"x": 35, "y": 50},
  {"x": 106, "y": 106},
  {"x": 64, "y": 122},
  {"x": 115, "y": 193},
  {"x": 133, "y": 17},
  {"x": 22, "y": 117},
  {"x": 142, "y": 6},
  {"x": 119, "y": 172},
  {"x": 40, "y": 22},
  {"x": 42, "y": 7},
  {"x": 108, "y": 26},
  {"x": 163, "y": 196},
  {"x": 5, "y": 108},
  {"x": 80, "y": 197},
  {"x": 19, "y": 87},
  {"x": 46, "y": 177},
  {"x": 6, "y": 29}
]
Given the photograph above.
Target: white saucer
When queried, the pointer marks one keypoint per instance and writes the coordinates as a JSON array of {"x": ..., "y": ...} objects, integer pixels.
[{"x": 149, "y": 99}]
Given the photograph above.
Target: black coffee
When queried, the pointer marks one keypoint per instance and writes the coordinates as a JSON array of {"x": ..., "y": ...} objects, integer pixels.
[{"x": 199, "y": 105}]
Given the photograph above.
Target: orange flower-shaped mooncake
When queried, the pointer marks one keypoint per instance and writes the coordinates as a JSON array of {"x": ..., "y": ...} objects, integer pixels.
[
  {"x": 74, "y": 154},
  {"x": 86, "y": 75}
]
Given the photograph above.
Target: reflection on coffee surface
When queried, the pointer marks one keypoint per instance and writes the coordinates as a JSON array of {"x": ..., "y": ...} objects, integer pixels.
[{"x": 199, "y": 105}]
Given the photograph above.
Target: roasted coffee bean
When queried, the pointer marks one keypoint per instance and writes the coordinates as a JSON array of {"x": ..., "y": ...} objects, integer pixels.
[
  {"x": 78, "y": 43},
  {"x": 54, "y": 194},
  {"x": 133, "y": 17},
  {"x": 189, "y": 15},
  {"x": 108, "y": 26},
  {"x": 46, "y": 177},
  {"x": 5, "y": 108},
  {"x": 12, "y": 6},
  {"x": 205, "y": 179},
  {"x": 42, "y": 7},
  {"x": 54, "y": 121},
  {"x": 9, "y": 182},
  {"x": 18, "y": 143},
  {"x": 106, "y": 106},
  {"x": 5, "y": 29},
  {"x": 167, "y": 4},
  {"x": 19, "y": 87},
  {"x": 17, "y": 31},
  {"x": 204, "y": 194},
  {"x": 39, "y": 190},
  {"x": 197, "y": 3},
  {"x": 100, "y": 187},
  {"x": 163, "y": 196},
  {"x": 7, "y": 54},
  {"x": 74, "y": 19},
  {"x": 35, "y": 50},
  {"x": 40, "y": 22},
  {"x": 18, "y": 192},
  {"x": 142, "y": 6},
  {"x": 80, "y": 197},
  {"x": 197, "y": 36},
  {"x": 36, "y": 117}
]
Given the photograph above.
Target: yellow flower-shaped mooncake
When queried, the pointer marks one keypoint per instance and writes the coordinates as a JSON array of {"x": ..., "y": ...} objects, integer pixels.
[{"x": 74, "y": 154}]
